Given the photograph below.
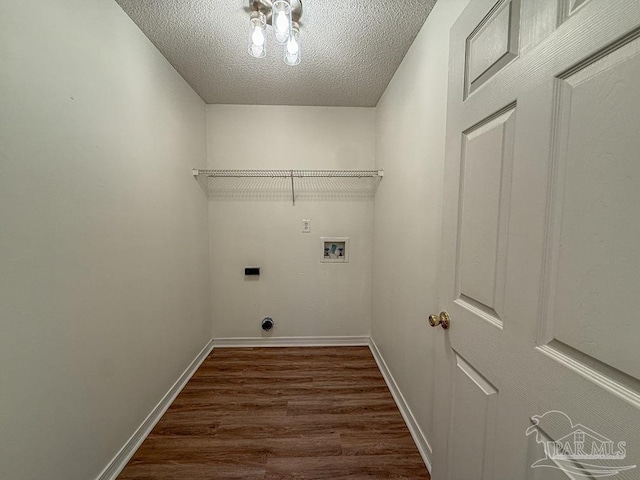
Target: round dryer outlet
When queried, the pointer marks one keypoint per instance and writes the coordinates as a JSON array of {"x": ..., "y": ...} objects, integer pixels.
[{"x": 267, "y": 324}]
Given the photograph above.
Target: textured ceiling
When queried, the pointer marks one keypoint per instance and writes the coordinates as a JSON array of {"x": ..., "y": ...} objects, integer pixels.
[{"x": 350, "y": 49}]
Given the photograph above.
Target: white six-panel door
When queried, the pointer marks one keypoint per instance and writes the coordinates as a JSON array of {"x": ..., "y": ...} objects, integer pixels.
[{"x": 541, "y": 245}]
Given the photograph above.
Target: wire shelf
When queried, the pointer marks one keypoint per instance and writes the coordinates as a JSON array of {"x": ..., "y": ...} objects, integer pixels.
[
  {"x": 289, "y": 173},
  {"x": 239, "y": 184}
]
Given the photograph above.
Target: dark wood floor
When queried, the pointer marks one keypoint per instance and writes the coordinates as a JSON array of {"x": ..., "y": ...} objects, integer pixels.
[{"x": 281, "y": 413}]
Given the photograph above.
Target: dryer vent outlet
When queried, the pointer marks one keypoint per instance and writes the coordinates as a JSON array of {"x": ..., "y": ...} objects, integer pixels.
[{"x": 267, "y": 324}]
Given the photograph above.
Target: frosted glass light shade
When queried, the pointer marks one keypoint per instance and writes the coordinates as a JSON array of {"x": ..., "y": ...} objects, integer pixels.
[
  {"x": 258, "y": 35},
  {"x": 281, "y": 21}
]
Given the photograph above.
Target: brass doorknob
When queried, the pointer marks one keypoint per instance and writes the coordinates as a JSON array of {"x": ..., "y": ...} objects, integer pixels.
[{"x": 444, "y": 320}]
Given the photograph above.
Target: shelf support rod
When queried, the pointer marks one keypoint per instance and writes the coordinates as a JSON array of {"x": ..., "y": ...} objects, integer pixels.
[{"x": 293, "y": 190}]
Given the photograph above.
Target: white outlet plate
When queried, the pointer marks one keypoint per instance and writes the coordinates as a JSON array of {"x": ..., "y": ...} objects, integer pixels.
[{"x": 306, "y": 226}]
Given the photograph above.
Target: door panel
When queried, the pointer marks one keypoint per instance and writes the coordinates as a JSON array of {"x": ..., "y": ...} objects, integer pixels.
[
  {"x": 475, "y": 402},
  {"x": 493, "y": 43},
  {"x": 596, "y": 250},
  {"x": 541, "y": 238},
  {"x": 569, "y": 7},
  {"x": 539, "y": 19},
  {"x": 485, "y": 185}
]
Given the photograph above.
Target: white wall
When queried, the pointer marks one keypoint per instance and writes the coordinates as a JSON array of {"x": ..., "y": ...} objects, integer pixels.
[
  {"x": 103, "y": 234},
  {"x": 410, "y": 139},
  {"x": 305, "y": 297}
]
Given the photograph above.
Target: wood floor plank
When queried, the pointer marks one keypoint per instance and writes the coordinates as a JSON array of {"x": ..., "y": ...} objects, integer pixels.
[
  {"x": 186, "y": 423},
  {"x": 211, "y": 448},
  {"x": 189, "y": 471},
  {"x": 263, "y": 427},
  {"x": 384, "y": 443},
  {"x": 347, "y": 468},
  {"x": 281, "y": 413},
  {"x": 345, "y": 407}
]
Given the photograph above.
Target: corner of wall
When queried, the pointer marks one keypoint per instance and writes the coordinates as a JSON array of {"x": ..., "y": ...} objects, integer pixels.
[{"x": 410, "y": 142}]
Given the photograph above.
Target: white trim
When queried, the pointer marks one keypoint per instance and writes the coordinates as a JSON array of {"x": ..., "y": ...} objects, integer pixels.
[
  {"x": 418, "y": 436},
  {"x": 357, "y": 341},
  {"x": 117, "y": 464}
]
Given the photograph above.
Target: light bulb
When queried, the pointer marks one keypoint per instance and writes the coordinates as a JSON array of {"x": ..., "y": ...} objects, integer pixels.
[
  {"x": 292, "y": 51},
  {"x": 281, "y": 20},
  {"x": 256, "y": 44},
  {"x": 292, "y": 47},
  {"x": 257, "y": 37}
]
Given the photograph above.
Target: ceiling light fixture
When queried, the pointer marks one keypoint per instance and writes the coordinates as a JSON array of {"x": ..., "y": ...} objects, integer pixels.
[{"x": 284, "y": 17}]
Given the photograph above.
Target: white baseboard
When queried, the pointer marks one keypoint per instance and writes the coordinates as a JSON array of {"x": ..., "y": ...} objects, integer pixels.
[
  {"x": 291, "y": 342},
  {"x": 418, "y": 437},
  {"x": 117, "y": 464}
]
